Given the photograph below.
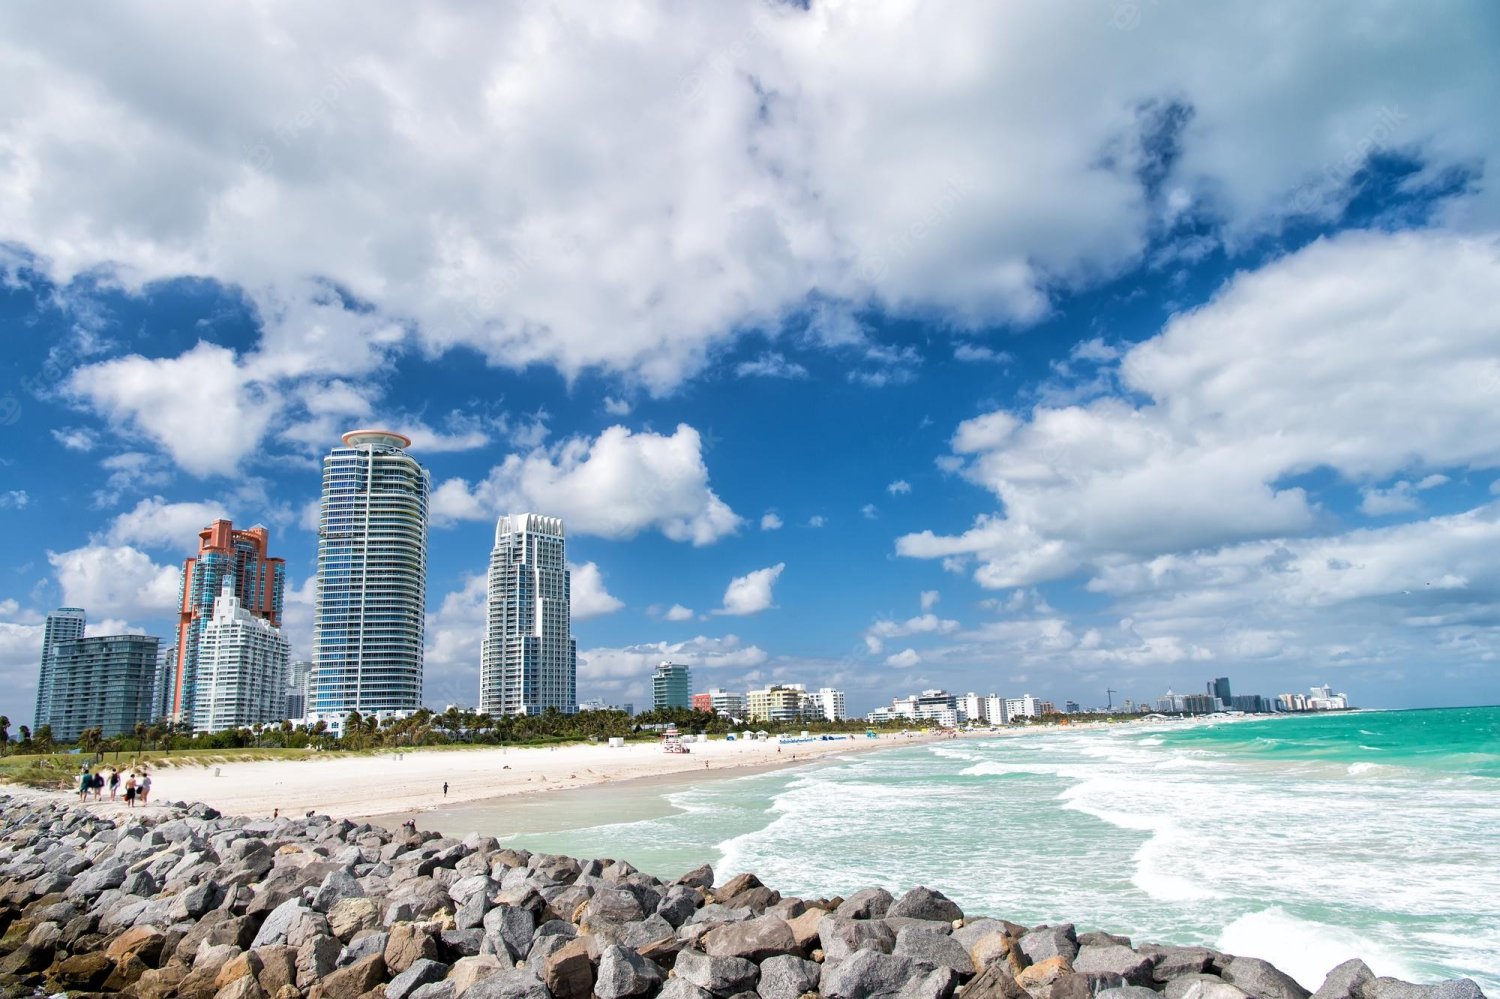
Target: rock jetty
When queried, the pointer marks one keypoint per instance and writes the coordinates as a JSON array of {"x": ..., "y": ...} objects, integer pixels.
[{"x": 203, "y": 906}]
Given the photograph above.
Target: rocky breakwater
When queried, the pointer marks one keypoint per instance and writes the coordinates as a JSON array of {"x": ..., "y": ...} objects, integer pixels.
[{"x": 202, "y": 906}]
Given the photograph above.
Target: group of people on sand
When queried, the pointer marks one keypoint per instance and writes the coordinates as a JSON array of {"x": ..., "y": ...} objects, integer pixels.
[{"x": 137, "y": 789}]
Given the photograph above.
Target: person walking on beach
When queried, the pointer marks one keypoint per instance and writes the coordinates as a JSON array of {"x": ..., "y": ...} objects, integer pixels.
[
  {"x": 445, "y": 789},
  {"x": 114, "y": 783},
  {"x": 130, "y": 791},
  {"x": 85, "y": 784},
  {"x": 99, "y": 786},
  {"x": 144, "y": 793}
]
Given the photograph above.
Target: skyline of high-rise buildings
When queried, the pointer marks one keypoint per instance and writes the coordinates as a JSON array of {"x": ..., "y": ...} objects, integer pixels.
[
  {"x": 259, "y": 581},
  {"x": 369, "y": 622},
  {"x": 528, "y": 659},
  {"x": 66, "y": 624}
]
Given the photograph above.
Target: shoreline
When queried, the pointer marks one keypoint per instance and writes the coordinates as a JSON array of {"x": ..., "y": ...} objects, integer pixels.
[{"x": 422, "y": 781}]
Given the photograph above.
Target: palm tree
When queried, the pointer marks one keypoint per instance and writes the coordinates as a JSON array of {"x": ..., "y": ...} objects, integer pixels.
[
  {"x": 25, "y": 737},
  {"x": 43, "y": 737},
  {"x": 140, "y": 738},
  {"x": 4, "y": 733},
  {"x": 91, "y": 740}
]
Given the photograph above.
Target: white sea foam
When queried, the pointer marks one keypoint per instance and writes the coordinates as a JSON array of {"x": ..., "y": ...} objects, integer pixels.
[{"x": 1304, "y": 949}]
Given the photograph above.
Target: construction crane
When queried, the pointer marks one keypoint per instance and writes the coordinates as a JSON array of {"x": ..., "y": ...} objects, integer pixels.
[{"x": 1109, "y": 694}]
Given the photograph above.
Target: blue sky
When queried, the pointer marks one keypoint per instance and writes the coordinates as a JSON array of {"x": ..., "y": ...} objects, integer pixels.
[{"x": 1010, "y": 351}]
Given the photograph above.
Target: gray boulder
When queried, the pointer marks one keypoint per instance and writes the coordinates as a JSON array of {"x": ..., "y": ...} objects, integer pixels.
[
  {"x": 1174, "y": 962},
  {"x": 924, "y": 903},
  {"x": 361, "y": 947},
  {"x": 1100, "y": 962},
  {"x": 716, "y": 912},
  {"x": 678, "y": 905},
  {"x": 512, "y": 925},
  {"x": 514, "y": 984},
  {"x": 336, "y": 887},
  {"x": 98, "y": 880},
  {"x": 1127, "y": 992},
  {"x": 936, "y": 949},
  {"x": 786, "y": 977},
  {"x": 422, "y": 972},
  {"x": 871, "y": 903},
  {"x": 1049, "y": 941},
  {"x": 872, "y": 975},
  {"x": 681, "y": 988},
  {"x": 279, "y": 923},
  {"x": 612, "y": 905},
  {"x": 1394, "y": 988},
  {"x": 1345, "y": 981},
  {"x": 1261, "y": 980},
  {"x": 1457, "y": 988},
  {"x": 1198, "y": 985},
  {"x": 623, "y": 972},
  {"x": 841, "y": 937},
  {"x": 723, "y": 976},
  {"x": 436, "y": 990}
]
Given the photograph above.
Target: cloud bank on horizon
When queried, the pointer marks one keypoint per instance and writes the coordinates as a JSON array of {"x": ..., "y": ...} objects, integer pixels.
[{"x": 1164, "y": 341}]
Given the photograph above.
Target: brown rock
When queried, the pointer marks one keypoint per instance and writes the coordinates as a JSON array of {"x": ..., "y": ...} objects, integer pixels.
[
  {"x": 350, "y": 915},
  {"x": 158, "y": 983},
  {"x": 278, "y": 968},
  {"x": 82, "y": 971},
  {"x": 355, "y": 980},
  {"x": 467, "y": 971},
  {"x": 240, "y": 966},
  {"x": 756, "y": 899},
  {"x": 568, "y": 973},
  {"x": 664, "y": 951},
  {"x": 287, "y": 992},
  {"x": 26, "y": 958},
  {"x": 1072, "y": 986},
  {"x": 753, "y": 939},
  {"x": 1042, "y": 974},
  {"x": 407, "y": 943},
  {"x": 144, "y": 942},
  {"x": 995, "y": 982},
  {"x": 991, "y": 948},
  {"x": 737, "y": 884},
  {"x": 243, "y": 987},
  {"x": 127, "y": 972}
]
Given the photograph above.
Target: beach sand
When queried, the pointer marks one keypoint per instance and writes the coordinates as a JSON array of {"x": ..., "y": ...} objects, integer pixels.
[{"x": 398, "y": 784}]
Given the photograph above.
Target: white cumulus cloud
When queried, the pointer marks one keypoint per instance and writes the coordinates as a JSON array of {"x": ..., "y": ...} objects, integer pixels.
[
  {"x": 615, "y": 486},
  {"x": 590, "y": 598},
  {"x": 751, "y": 593},
  {"x": 1368, "y": 354}
]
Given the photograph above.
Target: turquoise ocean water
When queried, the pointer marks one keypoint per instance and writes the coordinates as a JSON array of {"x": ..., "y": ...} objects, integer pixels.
[{"x": 1303, "y": 840}]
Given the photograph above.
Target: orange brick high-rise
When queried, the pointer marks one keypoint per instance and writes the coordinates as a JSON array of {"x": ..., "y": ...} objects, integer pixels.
[{"x": 259, "y": 581}]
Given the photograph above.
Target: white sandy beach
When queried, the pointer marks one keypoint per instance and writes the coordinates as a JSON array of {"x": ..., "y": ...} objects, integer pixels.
[{"x": 350, "y": 786}]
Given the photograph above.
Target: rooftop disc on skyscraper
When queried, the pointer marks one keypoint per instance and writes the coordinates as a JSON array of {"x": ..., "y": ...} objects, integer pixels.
[{"x": 376, "y": 438}]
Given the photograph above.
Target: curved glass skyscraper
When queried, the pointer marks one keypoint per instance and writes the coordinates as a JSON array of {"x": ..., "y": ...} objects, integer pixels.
[{"x": 372, "y": 578}]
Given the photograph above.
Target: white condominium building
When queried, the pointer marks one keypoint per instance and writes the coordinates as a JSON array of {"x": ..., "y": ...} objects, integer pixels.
[
  {"x": 242, "y": 667},
  {"x": 529, "y": 659},
  {"x": 826, "y": 703},
  {"x": 1022, "y": 707}
]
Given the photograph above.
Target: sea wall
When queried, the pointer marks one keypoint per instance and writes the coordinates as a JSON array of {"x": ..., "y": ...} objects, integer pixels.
[{"x": 204, "y": 906}]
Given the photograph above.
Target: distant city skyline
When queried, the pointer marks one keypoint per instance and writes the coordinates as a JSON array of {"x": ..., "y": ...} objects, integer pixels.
[{"x": 1068, "y": 353}]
